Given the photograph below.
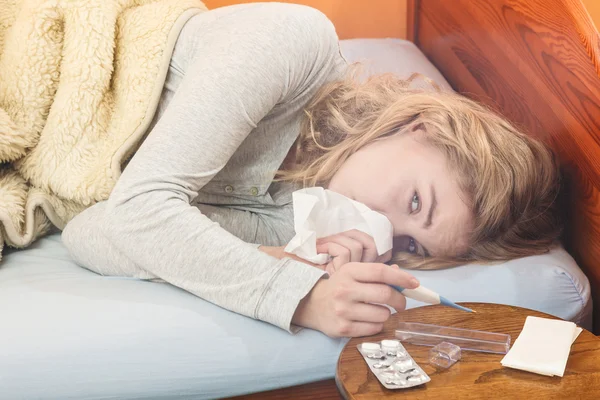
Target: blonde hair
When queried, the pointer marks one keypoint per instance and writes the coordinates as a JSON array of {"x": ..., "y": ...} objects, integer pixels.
[{"x": 510, "y": 180}]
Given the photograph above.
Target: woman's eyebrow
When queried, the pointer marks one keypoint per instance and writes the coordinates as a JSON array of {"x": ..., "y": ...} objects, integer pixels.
[{"x": 432, "y": 206}]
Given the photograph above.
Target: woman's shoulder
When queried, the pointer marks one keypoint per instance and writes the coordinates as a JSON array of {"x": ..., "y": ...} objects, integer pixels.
[
  {"x": 285, "y": 31},
  {"x": 309, "y": 33}
]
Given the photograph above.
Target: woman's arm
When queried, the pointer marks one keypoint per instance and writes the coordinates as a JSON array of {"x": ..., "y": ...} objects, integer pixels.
[{"x": 248, "y": 60}]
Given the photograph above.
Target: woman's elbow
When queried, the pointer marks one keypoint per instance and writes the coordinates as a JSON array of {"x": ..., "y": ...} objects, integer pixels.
[
  {"x": 79, "y": 237},
  {"x": 88, "y": 240},
  {"x": 89, "y": 245}
]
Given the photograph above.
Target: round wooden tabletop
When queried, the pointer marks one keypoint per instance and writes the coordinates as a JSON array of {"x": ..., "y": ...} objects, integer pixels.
[{"x": 476, "y": 375}]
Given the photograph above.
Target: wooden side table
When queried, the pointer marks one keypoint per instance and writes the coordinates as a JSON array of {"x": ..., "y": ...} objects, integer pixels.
[{"x": 476, "y": 375}]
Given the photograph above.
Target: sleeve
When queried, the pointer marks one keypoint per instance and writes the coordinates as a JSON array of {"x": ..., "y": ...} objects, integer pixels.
[{"x": 247, "y": 63}]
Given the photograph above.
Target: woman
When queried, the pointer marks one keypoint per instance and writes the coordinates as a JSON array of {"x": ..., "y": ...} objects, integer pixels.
[{"x": 201, "y": 206}]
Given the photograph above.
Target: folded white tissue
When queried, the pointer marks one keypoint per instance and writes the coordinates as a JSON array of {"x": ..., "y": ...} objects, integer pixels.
[
  {"x": 320, "y": 212},
  {"x": 543, "y": 346}
]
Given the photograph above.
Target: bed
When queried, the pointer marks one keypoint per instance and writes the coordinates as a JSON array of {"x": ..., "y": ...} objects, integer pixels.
[{"x": 70, "y": 334}]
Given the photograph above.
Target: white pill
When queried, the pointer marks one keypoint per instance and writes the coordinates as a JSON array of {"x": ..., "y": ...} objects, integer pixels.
[
  {"x": 390, "y": 344},
  {"x": 380, "y": 365},
  {"x": 396, "y": 382},
  {"x": 375, "y": 355},
  {"x": 370, "y": 346},
  {"x": 403, "y": 365},
  {"x": 389, "y": 375},
  {"x": 401, "y": 354},
  {"x": 416, "y": 378}
]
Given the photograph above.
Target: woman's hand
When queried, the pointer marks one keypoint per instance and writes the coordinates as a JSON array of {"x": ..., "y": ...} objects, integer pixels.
[
  {"x": 350, "y": 246},
  {"x": 345, "y": 247},
  {"x": 343, "y": 304}
]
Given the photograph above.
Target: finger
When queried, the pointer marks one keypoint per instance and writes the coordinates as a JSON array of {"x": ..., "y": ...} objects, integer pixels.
[
  {"x": 381, "y": 273},
  {"x": 337, "y": 251},
  {"x": 379, "y": 294},
  {"x": 363, "y": 312},
  {"x": 338, "y": 262},
  {"x": 370, "y": 253},
  {"x": 358, "y": 329},
  {"x": 355, "y": 247}
]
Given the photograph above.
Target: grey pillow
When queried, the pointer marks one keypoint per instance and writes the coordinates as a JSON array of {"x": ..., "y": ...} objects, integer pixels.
[{"x": 398, "y": 56}]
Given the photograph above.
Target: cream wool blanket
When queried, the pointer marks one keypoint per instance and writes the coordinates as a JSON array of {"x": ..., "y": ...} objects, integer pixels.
[{"x": 80, "y": 81}]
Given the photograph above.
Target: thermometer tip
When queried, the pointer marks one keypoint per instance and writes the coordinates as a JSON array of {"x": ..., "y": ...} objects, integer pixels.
[{"x": 449, "y": 303}]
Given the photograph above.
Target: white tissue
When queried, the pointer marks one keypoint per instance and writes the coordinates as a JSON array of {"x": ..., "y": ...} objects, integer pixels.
[
  {"x": 321, "y": 212},
  {"x": 543, "y": 346}
]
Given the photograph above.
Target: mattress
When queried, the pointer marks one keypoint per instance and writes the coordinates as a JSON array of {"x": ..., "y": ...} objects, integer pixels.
[{"x": 68, "y": 333}]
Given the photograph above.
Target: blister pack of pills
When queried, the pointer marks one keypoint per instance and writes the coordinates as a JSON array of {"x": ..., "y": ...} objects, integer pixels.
[{"x": 392, "y": 365}]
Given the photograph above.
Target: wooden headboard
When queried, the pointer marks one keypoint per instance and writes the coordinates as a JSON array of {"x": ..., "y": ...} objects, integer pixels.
[{"x": 538, "y": 63}]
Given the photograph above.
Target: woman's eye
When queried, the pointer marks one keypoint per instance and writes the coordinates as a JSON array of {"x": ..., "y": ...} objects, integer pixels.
[
  {"x": 415, "y": 203},
  {"x": 412, "y": 246}
]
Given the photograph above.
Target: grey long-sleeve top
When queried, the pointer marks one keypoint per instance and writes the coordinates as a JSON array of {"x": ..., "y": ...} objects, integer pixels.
[{"x": 200, "y": 188}]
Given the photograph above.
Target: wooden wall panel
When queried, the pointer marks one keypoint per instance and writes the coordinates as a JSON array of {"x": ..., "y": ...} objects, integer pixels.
[{"x": 537, "y": 62}]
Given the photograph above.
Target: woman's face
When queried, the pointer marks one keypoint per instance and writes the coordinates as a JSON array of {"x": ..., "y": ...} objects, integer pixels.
[{"x": 409, "y": 181}]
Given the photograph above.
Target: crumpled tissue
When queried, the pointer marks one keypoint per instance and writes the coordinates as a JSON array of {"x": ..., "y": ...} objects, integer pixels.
[{"x": 320, "y": 212}]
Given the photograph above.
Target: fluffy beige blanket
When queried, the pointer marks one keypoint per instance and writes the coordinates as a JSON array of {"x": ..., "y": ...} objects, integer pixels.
[{"x": 79, "y": 84}]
